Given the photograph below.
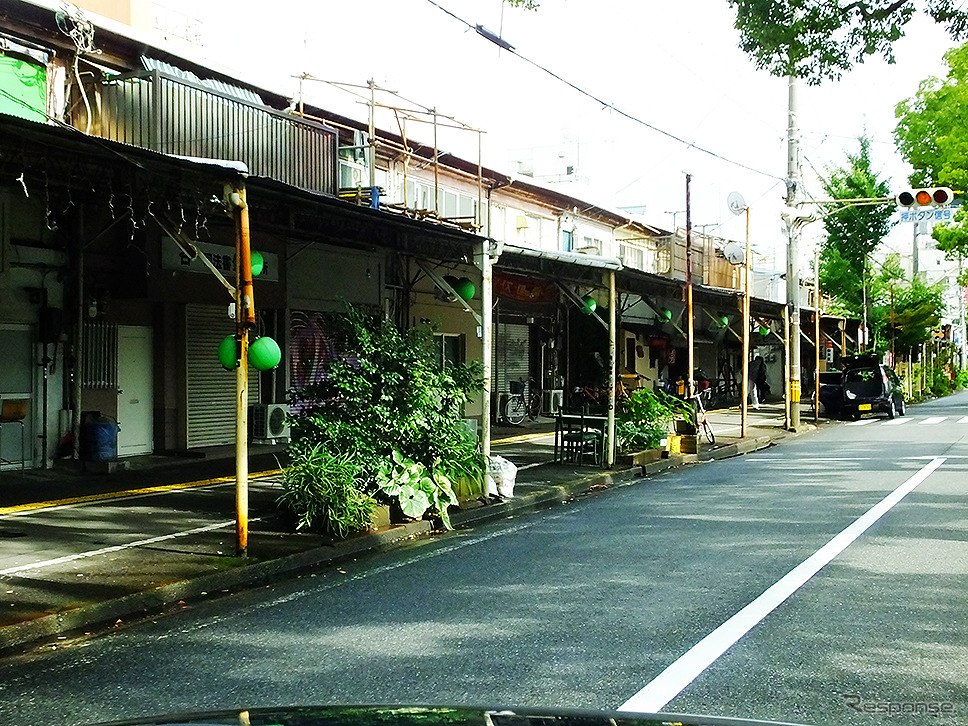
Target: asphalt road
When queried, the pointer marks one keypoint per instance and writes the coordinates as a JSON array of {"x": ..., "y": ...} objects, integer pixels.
[{"x": 811, "y": 582}]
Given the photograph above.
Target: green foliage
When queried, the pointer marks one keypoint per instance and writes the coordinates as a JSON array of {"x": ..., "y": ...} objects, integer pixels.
[
  {"x": 645, "y": 418},
  {"x": 416, "y": 487},
  {"x": 322, "y": 489},
  {"x": 941, "y": 383},
  {"x": 853, "y": 232},
  {"x": 930, "y": 136},
  {"x": 961, "y": 378},
  {"x": 929, "y": 133},
  {"x": 387, "y": 392},
  {"x": 821, "y": 39},
  {"x": 904, "y": 314}
]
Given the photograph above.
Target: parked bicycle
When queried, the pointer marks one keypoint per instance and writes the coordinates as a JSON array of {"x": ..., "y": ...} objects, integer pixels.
[
  {"x": 703, "y": 427},
  {"x": 525, "y": 400}
]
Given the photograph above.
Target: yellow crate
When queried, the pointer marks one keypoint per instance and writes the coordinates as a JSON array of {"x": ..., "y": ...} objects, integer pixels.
[{"x": 674, "y": 444}]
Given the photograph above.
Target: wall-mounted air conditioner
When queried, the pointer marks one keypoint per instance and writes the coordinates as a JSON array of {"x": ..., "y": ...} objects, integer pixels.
[
  {"x": 552, "y": 401},
  {"x": 269, "y": 422}
]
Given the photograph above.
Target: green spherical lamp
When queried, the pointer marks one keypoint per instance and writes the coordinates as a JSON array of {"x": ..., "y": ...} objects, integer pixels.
[
  {"x": 764, "y": 331},
  {"x": 227, "y": 354},
  {"x": 589, "y": 305},
  {"x": 264, "y": 353},
  {"x": 258, "y": 262},
  {"x": 464, "y": 288}
]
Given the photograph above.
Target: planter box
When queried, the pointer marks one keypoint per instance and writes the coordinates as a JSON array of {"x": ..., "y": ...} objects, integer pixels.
[
  {"x": 684, "y": 427},
  {"x": 682, "y": 444},
  {"x": 647, "y": 456},
  {"x": 636, "y": 458},
  {"x": 380, "y": 518}
]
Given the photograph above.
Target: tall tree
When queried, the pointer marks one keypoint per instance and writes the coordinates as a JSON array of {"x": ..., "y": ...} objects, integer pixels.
[
  {"x": 930, "y": 135},
  {"x": 853, "y": 232},
  {"x": 820, "y": 39}
]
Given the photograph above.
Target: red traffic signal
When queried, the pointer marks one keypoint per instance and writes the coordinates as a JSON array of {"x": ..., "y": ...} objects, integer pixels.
[{"x": 933, "y": 197}]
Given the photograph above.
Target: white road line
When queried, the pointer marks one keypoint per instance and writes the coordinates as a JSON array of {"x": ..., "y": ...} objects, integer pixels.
[
  {"x": 863, "y": 422},
  {"x": 932, "y": 420},
  {"x": 115, "y": 548},
  {"x": 898, "y": 421},
  {"x": 668, "y": 684},
  {"x": 963, "y": 419}
]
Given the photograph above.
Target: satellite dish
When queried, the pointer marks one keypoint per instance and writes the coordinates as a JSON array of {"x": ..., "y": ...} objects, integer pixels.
[
  {"x": 734, "y": 253},
  {"x": 737, "y": 205}
]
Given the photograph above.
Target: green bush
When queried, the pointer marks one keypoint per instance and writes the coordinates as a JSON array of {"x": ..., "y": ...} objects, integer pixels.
[
  {"x": 644, "y": 419},
  {"x": 386, "y": 393},
  {"x": 321, "y": 488},
  {"x": 941, "y": 384},
  {"x": 961, "y": 378}
]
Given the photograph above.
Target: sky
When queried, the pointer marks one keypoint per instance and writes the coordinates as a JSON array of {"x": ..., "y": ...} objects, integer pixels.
[{"x": 674, "y": 67}]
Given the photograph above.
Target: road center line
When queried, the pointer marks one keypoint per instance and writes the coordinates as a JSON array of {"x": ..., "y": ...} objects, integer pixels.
[{"x": 668, "y": 684}]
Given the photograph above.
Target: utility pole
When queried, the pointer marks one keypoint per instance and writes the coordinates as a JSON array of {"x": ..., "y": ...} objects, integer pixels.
[
  {"x": 690, "y": 385},
  {"x": 793, "y": 257}
]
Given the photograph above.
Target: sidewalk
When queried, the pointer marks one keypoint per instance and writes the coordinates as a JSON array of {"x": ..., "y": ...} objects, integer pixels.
[{"x": 74, "y": 562}]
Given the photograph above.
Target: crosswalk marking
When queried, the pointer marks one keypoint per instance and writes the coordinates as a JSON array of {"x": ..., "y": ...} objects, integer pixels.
[{"x": 928, "y": 421}]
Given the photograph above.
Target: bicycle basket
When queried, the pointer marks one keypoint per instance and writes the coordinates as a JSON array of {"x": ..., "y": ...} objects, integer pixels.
[{"x": 516, "y": 387}]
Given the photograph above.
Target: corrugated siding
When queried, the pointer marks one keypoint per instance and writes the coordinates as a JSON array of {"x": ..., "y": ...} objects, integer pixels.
[
  {"x": 211, "y": 388},
  {"x": 172, "y": 116}
]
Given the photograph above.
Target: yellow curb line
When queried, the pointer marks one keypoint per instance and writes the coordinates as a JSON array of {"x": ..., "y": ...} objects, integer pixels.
[
  {"x": 125, "y": 494},
  {"x": 522, "y": 437}
]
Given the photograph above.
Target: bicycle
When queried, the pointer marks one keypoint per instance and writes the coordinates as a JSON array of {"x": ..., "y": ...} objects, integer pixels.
[
  {"x": 703, "y": 427},
  {"x": 523, "y": 401}
]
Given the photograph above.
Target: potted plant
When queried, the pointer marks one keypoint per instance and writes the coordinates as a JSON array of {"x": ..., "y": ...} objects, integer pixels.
[{"x": 643, "y": 423}]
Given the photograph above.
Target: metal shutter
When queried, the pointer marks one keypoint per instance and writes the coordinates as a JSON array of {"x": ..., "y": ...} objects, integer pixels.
[
  {"x": 210, "y": 388},
  {"x": 511, "y": 355}
]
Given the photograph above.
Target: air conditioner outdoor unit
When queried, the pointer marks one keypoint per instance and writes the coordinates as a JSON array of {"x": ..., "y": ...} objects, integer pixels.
[
  {"x": 269, "y": 422},
  {"x": 552, "y": 401}
]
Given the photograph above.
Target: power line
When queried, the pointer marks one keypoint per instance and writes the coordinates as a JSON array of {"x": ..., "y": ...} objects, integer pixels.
[{"x": 500, "y": 42}]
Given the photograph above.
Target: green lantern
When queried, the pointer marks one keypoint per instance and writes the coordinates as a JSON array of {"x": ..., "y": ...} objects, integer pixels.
[
  {"x": 764, "y": 331},
  {"x": 667, "y": 314},
  {"x": 228, "y": 353},
  {"x": 464, "y": 288},
  {"x": 264, "y": 353},
  {"x": 725, "y": 321},
  {"x": 258, "y": 262},
  {"x": 589, "y": 305}
]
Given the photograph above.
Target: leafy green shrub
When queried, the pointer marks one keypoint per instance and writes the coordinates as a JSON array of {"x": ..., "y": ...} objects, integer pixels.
[
  {"x": 941, "y": 384},
  {"x": 961, "y": 378},
  {"x": 644, "y": 419},
  {"x": 416, "y": 487},
  {"x": 321, "y": 488},
  {"x": 386, "y": 392}
]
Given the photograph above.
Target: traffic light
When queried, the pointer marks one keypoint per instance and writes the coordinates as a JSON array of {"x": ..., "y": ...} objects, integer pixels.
[{"x": 919, "y": 198}]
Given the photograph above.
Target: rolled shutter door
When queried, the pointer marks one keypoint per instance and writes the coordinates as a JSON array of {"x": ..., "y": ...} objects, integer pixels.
[{"x": 210, "y": 388}]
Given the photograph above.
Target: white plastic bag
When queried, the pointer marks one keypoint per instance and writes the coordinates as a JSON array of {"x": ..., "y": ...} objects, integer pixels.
[{"x": 501, "y": 476}]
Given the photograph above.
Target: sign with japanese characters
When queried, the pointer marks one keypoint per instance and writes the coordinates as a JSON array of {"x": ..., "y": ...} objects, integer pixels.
[
  {"x": 222, "y": 258},
  {"x": 929, "y": 215}
]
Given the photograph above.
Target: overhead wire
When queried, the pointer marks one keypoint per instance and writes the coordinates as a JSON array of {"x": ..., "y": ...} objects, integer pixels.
[{"x": 605, "y": 104}]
